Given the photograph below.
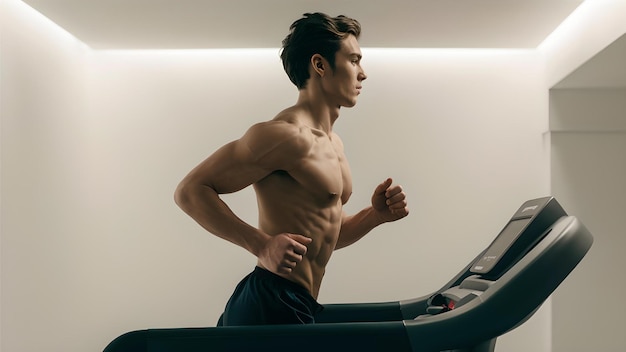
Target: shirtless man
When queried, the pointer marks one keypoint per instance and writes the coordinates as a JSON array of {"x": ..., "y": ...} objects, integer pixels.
[{"x": 299, "y": 171}]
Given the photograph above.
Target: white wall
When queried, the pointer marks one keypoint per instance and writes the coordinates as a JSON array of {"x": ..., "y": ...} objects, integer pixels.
[
  {"x": 93, "y": 144},
  {"x": 588, "y": 173},
  {"x": 589, "y": 29},
  {"x": 588, "y": 169},
  {"x": 42, "y": 113}
]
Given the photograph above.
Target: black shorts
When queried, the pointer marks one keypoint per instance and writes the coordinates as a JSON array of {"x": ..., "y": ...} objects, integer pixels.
[{"x": 263, "y": 297}]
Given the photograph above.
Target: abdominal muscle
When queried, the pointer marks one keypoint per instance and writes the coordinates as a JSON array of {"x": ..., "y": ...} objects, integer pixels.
[{"x": 299, "y": 212}]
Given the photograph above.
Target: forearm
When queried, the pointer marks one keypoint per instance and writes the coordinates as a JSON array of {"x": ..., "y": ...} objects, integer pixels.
[
  {"x": 354, "y": 227},
  {"x": 203, "y": 204}
]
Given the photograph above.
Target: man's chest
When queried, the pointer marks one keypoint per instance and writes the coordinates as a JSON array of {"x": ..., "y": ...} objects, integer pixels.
[{"x": 325, "y": 170}]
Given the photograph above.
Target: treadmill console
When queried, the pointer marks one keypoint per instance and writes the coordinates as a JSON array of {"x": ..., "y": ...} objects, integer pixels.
[
  {"x": 528, "y": 226},
  {"x": 523, "y": 231}
]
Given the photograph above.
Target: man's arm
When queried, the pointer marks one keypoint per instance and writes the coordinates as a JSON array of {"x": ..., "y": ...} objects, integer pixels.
[
  {"x": 229, "y": 169},
  {"x": 264, "y": 148},
  {"x": 388, "y": 204}
]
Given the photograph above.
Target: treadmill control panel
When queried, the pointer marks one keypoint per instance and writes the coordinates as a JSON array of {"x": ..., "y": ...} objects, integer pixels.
[{"x": 527, "y": 227}]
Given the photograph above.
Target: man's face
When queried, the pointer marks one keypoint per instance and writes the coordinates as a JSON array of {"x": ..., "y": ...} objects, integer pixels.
[{"x": 345, "y": 82}]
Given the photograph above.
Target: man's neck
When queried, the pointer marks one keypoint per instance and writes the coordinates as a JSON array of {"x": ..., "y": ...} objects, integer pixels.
[{"x": 322, "y": 113}]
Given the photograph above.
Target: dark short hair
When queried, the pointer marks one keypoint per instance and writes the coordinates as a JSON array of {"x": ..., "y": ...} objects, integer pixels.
[{"x": 314, "y": 33}]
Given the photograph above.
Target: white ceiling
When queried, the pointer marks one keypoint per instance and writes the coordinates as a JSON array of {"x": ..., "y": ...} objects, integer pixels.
[{"x": 193, "y": 24}]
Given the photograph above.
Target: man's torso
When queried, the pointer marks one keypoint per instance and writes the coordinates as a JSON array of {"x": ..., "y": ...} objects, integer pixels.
[{"x": 308, "y": 199}]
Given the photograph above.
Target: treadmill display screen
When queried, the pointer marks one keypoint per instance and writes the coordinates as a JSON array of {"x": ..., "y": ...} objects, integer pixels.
[{"x": 499, "y": 246}]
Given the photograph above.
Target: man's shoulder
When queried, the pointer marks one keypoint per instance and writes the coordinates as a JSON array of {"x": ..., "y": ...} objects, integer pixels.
[
  {"x": 278, "y": 137},
  {"x": 274, "y": 128},
  {"x": 279, "y": 131}
]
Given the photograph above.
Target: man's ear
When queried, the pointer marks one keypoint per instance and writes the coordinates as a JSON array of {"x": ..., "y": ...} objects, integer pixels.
[{"x": 319, "y": 64}]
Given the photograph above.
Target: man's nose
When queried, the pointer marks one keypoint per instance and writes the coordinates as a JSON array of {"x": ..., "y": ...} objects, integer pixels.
[{"x": 362, "y": 76}]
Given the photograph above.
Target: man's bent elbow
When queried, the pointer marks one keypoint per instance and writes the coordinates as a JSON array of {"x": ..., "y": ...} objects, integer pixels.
[{"x": 183, "y": 196}]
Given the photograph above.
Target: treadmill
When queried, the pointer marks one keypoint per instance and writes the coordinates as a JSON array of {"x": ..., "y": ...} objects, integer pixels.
[{"x": 495, "y": 293}]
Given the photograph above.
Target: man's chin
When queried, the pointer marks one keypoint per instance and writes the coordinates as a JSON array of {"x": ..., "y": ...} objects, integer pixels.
[{"x": 350, "y": 104}]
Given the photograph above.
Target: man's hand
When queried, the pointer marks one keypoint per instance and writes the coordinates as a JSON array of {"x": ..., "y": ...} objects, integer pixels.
[
  {"x": 389, "y": 202},
  {"x": 283, "y": 252}
]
